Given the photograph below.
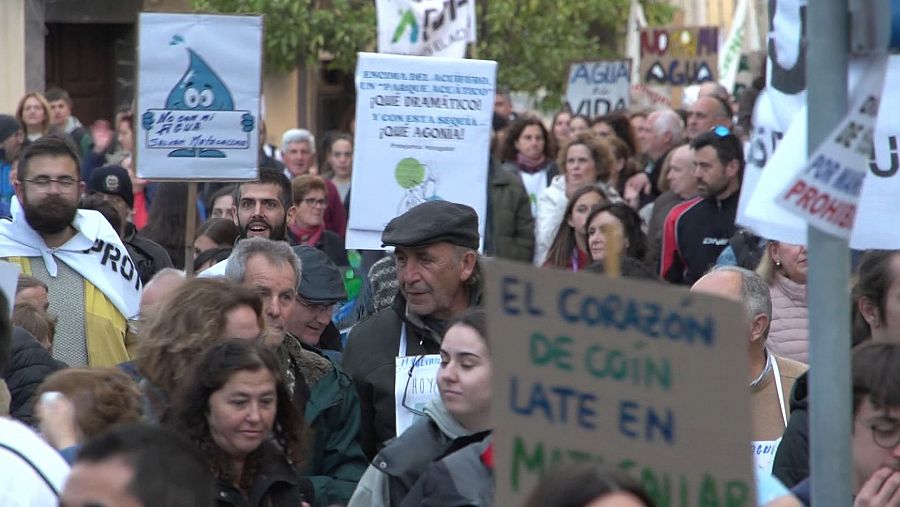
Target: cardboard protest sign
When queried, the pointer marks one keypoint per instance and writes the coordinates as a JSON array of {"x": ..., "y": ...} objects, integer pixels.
[
  {"x": 425, "y": 27},
  {"x": 598, "y": 87},
  {"x": 422, "y": 133},
  {"x": 679, "y": 56},
  {"x": 825, "y": 193},
  {"x": 640, "y": 376},
  {"x": 198, "y": 96}
]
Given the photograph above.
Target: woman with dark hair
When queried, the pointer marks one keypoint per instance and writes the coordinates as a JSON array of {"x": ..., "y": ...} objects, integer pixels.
[
  {"x": 236, "y": 409},
  {"x": 569, "y": 249},
  {"x": 618, "y": 125},
  {"x": 618, "y": 219},
  {"x": 167, "y": 218},
  {"x": 560, "y": 130},
  {"x": 585, "y": 161},
  {"x": 623, "y": 168},
  {"x": 527, "y": 153},
  {"x": 585, "y": 486},
  {"x": 216, "y": 233},
  {"x": 461, "y": 416}
]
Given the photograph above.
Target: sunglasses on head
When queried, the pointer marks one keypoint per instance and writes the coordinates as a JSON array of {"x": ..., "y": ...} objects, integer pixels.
[{"x": 721, "y": 130}]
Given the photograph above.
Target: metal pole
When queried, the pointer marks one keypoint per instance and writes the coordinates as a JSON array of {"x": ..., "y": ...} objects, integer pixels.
[
  {"x": 828, "y": 275},
  {"x": 190, "y": 228}
]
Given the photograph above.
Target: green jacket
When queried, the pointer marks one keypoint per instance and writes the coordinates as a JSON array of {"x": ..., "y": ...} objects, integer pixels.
[
  {"x": 510, "y": 225},
  {"x": 336, "y": 461}
]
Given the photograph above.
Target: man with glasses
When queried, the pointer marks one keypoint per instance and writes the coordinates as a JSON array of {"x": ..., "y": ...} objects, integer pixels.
[
  {"x": 695, "y": 232},
  {"x": 324, "y": 393},
  {"x": 94, "y": 286},
  {"x": 321, "y": 289},
  {"x": 438, "y": 270}
]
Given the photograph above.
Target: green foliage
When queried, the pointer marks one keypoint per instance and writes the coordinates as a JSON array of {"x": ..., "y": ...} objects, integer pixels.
[
  {"x": 532, "y": 40},
  {"x": 305, "y": 28}
]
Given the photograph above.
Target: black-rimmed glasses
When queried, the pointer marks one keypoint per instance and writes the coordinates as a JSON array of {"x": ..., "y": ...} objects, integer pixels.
[{"x": 409, "y": 375}]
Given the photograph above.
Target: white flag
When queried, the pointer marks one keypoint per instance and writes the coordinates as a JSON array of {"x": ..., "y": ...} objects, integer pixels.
[
  {"x": 636, "y": 22},
  {"x": 730, "y": 53},
  {"x": 425, "y": 27}
]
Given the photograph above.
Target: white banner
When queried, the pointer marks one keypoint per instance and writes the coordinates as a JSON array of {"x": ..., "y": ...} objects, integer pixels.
[
  {"x": 198, "y": 96},
  {"x": 425, "y": 27},
  {"x": 826, "y": 192},
  {"x": 730, "y": 52},
  {"x": 598, "y": 87},
  {"x": 422, "y": 133}
]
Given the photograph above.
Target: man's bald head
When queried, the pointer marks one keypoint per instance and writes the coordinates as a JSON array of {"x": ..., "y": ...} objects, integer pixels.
[
  {"x": 706, "y": 113},
  {"x": 163, "y": 283}
]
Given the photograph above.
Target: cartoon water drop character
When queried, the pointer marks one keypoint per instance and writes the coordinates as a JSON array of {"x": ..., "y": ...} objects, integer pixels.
[{"x": 200, "y": 89}]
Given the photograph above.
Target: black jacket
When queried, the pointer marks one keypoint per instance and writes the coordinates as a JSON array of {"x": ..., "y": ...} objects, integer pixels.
[
  {"x": 148, "y": 256},
  {"x": 277, "y": 484},
  {"x": 369, "y": 359},
  {"x": 702, "y": 229},
  {"x": 792, "y": 457},
  {"x": 30, "y": 365}
]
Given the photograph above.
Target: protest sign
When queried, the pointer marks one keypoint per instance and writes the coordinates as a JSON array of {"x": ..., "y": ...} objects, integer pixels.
[
  {"x": 598, "y": 87},
  {"x": 198, "y": 96},
  {"x": 9, "y": 280},
  {"x": 826, "y": 192},
  {"x": 425, "y": 27},
  {"x": 415, "y": 384},
  {"x": 679, "y": 56},
  {"x": 618, "y": 373},
  {"x": 422, "y": 133}
]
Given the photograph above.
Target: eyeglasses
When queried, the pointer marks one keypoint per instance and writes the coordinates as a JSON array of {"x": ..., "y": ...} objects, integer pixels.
[
  {"x": 314, "y": 307},
  {"x": 721, "y": 130},
  {"x": 43, "y": 182},
  {"x": 885, "y": 436},
  {"x": 314, "y": 202},
  {"x": 406, "y": 389}
]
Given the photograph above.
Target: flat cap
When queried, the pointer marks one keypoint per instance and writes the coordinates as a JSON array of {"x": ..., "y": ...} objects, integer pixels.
[
  {"x": 320, "y": 279},
  {"x": 433, "y": 222},
  {"x": 113, "y": 180}
]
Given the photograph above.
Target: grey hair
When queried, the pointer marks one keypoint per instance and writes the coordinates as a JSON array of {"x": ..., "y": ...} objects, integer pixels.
[
  {"x": 278, "y": 253},
  {"x": 298, "y": 136},
  {"x": 754, "y": 292},
  {"x": 668, "y": 121}
]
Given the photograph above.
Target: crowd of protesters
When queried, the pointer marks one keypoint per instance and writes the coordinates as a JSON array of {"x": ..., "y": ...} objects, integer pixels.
[{"x": 264, "y": 374}]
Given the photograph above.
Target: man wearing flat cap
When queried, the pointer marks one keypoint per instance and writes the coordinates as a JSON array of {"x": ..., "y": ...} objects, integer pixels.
[
  {"x": 438, "y": 270},
  {"x": 113, "y": 183},
  {"x": 12, "y": 136}
]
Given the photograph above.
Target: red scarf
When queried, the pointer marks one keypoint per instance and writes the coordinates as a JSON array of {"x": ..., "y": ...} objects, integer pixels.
[
  {"x": 308, "y": 235},
  {"x": 530, "y": 165}
]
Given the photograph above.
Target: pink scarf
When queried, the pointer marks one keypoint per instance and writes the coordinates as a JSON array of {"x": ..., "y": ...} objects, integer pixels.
[
  {"x": 308, "y": 235},
  {"x": 530, "y": 165}
]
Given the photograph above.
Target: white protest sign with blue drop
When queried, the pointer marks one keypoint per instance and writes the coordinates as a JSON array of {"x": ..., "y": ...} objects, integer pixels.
[{"x": 198, "y": 96}]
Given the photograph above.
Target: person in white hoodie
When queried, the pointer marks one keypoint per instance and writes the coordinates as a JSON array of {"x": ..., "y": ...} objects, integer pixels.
[{"x": 586, "y": 160}]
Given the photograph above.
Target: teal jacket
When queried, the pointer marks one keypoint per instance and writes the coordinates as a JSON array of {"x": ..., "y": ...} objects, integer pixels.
[{"x": 336, "y": 461}]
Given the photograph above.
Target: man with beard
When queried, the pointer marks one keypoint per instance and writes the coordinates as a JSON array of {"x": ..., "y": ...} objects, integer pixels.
[
  {"x": 322, "y": 392},
  {"x": 696, "y": 231},
  {"x": 261, "y": 206},
  {"x": 94, "y": 286},
  {"x": 439, "y": 275}
]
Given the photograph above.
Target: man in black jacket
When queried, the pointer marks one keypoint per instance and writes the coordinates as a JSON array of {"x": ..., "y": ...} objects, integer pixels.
[
  {"x": 30, "y": 365},
  {"x": 114, "y": 185},
  {"x": 438, "y": 269}
]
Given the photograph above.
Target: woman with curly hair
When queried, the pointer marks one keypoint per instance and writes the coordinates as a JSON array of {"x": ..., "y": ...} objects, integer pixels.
[
  {"x": 78, "y": 404},
  {"x": 236, "y": 408},
  {"x": 200, "y": 312}
]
